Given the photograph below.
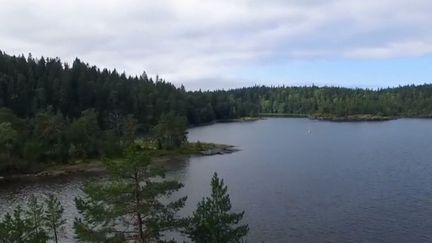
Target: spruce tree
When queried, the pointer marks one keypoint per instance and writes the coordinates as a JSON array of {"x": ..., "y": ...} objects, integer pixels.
[
  {"x": 14, "y": 227},
  {"x": 34, "y": 216},
  {"x": 213, "y": 221},
  {"x": 130, "y": 205},
  {"x": 33, "y": 223},
  {"x": 53, "y": 217}
]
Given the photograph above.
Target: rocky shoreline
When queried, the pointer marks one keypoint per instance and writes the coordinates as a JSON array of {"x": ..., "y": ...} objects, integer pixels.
[
  {"x": 227, "y": 149},
  {"x": 97, "y": 167}
]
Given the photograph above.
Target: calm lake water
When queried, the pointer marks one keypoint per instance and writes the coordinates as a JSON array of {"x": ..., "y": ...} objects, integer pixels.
[{"x": 301, "y": 180}]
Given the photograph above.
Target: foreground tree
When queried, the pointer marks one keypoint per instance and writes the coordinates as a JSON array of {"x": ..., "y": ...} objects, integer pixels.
[
  {"x": 213, "y": 222},
  {"x": 32, "y": 224},
  {"x": 34, "y": 216},
  {"x": 53, "y": 217},
  {"x": 129, "y": 206},
  {"x": 14, "y": 227}
]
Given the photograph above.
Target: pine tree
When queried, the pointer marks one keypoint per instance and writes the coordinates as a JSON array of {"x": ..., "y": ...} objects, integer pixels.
[
  {"x": 213, "y": 222},
  {"x": 30, "y": 225},
  {"x": 34, "y": 217},
  {"x": 14, "y": 227},
  {"x": 53, "y": 217},
  {"x": 128, "y": 206}
]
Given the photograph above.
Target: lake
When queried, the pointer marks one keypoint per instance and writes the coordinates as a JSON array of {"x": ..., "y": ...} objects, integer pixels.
[{"x": 302, "y": 180}]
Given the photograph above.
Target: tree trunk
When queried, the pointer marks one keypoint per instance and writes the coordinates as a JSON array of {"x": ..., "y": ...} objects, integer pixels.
[
  {"x": 55, "y": 235},
  {"x": 140, "y": 230},
  {"x": 141, "y": 236}
]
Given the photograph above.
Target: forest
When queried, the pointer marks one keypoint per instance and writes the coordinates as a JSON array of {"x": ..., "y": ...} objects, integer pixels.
[{"x": 54, "y": 112}]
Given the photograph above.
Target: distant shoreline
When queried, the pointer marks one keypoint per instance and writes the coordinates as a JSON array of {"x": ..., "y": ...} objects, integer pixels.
[
  {"x": 320, "y": 117},
  {"x": 352, "y": 118},
  {"x": 336, "y": 118}
]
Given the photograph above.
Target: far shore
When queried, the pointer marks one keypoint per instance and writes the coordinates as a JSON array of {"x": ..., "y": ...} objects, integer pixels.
[
  {"x": 332, "y": 117},
  {"x": 352, "y": 118},
  {"x": 321, "y": 117}
]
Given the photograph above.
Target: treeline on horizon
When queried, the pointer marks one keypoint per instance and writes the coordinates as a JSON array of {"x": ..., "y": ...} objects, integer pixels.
[
  {"x": 29, "y": 86},
  {"x": 53, "y": 111}
]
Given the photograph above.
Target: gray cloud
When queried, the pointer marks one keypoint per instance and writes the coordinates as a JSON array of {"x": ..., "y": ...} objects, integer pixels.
[{"x": 191, "y": 40}]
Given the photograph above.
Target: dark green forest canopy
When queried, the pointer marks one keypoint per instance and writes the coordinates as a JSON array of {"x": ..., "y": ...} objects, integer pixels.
[
  {"x": 29, "y": 86},
  {"x": 51, "y": 112}
]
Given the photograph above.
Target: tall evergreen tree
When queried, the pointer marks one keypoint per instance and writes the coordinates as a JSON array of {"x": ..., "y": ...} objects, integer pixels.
[
  {"x": 53, "y": 217},
  {"x": 130, "y": 205},
  {"x": 14, "y": 227},
  {"x": 33, "y": 224},
  {"x": 213, "y": 221},
  {"x": 34, "y": 217}
]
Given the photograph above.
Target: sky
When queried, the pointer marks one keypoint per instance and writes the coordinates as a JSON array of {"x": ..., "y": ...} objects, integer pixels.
[{"x": 223, "y": 44}]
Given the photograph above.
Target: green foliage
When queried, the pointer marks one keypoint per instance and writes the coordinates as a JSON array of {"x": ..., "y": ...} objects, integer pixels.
[
  {"x": 14, "y": 227},
  {"x": 84, "y": 134},
  {"x": 212, "y": 222},
  {"x": 33, "y": 150},
  {"x": 170, "y": 132},
  {"x": 50, "y": 138},
  {"x": 35, "y": 216},
  {"x": 8, "y": 137},
  {"x": 133, "y": 196},
  {"x": 111, "y": 145},
  {"x": 34, "y": 223},
  {"x": 59, "y": 112},
  {"x": 8, "y": 144},
  {"x": 30, "y": 86},
  {"x": 49, "y": 131},
  {"x": 53, "y": 217},
  {"x": 7, "y": 115}
]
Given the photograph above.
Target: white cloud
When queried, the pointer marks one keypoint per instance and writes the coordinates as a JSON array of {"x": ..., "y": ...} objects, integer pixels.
[
  {"x": 190, "y": 40},
  {"x": 399, "y": 49}
]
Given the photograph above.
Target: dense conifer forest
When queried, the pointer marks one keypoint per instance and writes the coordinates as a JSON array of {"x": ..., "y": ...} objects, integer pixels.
[
  {"x": 29, "y": 86},
  {"x": 53, "y": 111}
]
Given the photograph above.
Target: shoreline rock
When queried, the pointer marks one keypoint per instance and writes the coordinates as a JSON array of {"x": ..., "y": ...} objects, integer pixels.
[
  {"x": 221, "y": 150},
  {"x": 96, "y": 167}
]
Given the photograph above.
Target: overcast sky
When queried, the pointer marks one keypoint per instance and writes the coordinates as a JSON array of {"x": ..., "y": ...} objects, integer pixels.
[{"x": 231, "y": 43}]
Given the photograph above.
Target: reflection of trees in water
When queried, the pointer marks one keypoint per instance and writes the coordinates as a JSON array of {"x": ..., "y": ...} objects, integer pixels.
[{"x": 176, "y": 165}]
